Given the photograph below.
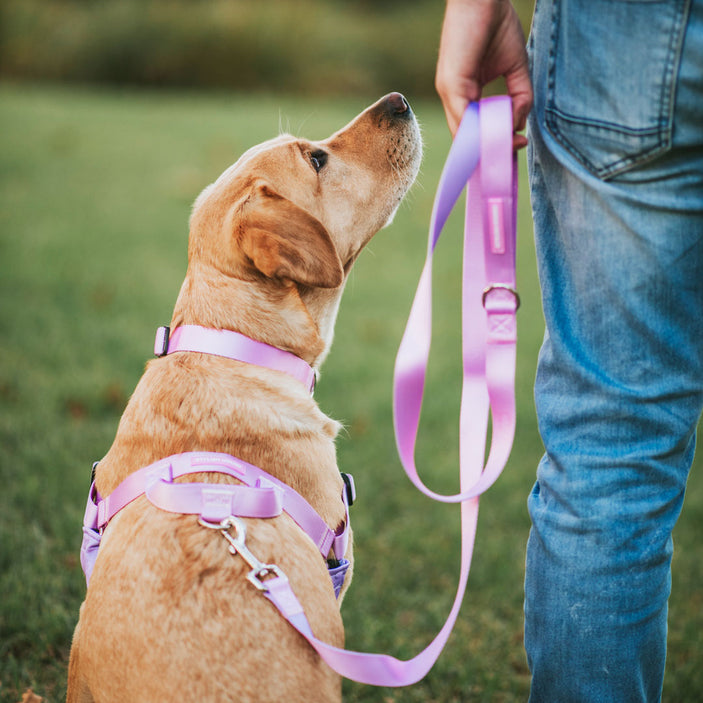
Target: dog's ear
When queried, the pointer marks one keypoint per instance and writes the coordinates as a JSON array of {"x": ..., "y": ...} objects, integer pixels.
[{"x": 285, "y": 242}]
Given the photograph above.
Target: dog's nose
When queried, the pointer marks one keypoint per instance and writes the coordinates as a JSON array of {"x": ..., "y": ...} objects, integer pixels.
[
  {"x": 395, "y": 107},
  {"x": 397, "y": 103}
]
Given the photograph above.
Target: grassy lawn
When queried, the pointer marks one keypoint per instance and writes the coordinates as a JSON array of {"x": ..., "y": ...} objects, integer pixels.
[{"x": 95, "y": 192}]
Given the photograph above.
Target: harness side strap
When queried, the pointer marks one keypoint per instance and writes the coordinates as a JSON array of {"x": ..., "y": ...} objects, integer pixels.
[
  {"x": 261, "y": 492},
  {"x": 294, "y": 504}
]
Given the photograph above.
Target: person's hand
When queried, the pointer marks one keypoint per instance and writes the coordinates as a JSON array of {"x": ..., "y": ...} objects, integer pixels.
[{"x": 482, "y": 40}]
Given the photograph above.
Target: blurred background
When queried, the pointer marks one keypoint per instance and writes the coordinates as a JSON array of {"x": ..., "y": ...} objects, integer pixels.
[
  {"x": 310, "y": 47},
  {"x": 114, "y": 114}
]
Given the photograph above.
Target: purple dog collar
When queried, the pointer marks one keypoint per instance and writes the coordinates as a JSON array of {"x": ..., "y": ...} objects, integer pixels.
[{"x": 232, "y": 345}]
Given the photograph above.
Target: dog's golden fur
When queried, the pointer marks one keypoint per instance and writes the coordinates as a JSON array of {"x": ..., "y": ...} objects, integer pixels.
[{"x": 169, "y": 614}]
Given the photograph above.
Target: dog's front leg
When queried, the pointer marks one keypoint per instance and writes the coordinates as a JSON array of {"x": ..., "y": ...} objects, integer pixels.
[{"x": 78, "y": 691}]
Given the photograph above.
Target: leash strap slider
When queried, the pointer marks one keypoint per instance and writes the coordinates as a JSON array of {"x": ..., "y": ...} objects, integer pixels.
[{"x": 501, "y": 287}]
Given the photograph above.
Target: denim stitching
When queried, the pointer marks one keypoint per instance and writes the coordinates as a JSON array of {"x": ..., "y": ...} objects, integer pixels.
[
  {"x": 605, "y": 126},
  {"x": 675, "y": 52}
]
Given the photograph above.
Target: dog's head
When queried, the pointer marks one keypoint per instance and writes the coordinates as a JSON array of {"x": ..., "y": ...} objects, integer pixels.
[{"x": 288, "y": 219}]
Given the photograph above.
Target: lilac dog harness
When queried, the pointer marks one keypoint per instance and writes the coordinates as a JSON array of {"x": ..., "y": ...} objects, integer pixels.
[
  {"x": 220, "y": 506},
  {"x": 260, "y": 496},
  {"x": 481, "y": 155}
]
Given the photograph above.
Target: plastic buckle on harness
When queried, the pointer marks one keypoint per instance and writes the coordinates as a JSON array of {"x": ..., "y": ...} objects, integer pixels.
[
  {"x": 349, "y": 487},
  {"x": 161, "y": 341}
]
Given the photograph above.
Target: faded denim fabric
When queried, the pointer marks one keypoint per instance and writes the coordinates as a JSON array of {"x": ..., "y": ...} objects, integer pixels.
[{"x": 616, "y": 177}]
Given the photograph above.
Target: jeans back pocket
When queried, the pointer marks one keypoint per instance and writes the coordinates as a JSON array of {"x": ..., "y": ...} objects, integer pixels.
[{"x": 612, "y": 79}]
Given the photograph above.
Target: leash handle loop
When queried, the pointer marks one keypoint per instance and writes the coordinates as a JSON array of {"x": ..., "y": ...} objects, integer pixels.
[{"x": 481, "y": 155}]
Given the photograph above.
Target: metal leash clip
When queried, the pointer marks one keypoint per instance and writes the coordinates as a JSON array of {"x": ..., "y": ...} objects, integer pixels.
[{"x": 237, "y": 545}]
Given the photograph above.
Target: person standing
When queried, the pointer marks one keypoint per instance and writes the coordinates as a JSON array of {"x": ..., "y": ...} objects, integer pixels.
[{"x": 614, "y": 92}]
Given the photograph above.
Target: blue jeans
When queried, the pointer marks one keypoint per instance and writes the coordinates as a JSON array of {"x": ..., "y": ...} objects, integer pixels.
[{"x": 616, "y": 176}]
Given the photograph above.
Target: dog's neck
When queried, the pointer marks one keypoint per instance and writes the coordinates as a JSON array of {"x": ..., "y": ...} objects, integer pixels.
[{"x": 267, "y": 312}]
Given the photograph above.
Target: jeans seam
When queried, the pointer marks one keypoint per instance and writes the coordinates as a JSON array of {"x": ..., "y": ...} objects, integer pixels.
[
  {"x": 674, "y": 62},
  {"x": 604, "y": 125}
]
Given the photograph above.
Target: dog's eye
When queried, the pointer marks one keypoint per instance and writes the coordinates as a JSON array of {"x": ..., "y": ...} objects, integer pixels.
[{"x": 318, "y": 159}]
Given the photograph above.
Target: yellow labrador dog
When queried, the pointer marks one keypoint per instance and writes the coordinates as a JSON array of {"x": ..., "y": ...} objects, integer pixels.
[{"x": 169, "y": 614}]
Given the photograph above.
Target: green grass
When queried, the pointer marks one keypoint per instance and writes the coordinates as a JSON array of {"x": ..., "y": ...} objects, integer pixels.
[{"x": 95, "y": 191}]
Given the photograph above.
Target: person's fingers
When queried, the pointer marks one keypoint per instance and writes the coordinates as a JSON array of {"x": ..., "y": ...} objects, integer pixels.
[
  {"x": 461, "y": 46},
  {"x": 454, "y": 108},
  {"x": 519, "y": 142},
  {"x": 519, "y": 88},
  {"x": 481, "y": 41}
]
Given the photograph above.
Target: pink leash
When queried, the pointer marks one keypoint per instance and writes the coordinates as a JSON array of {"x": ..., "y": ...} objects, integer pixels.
[{"x": 481, "y": 151}]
